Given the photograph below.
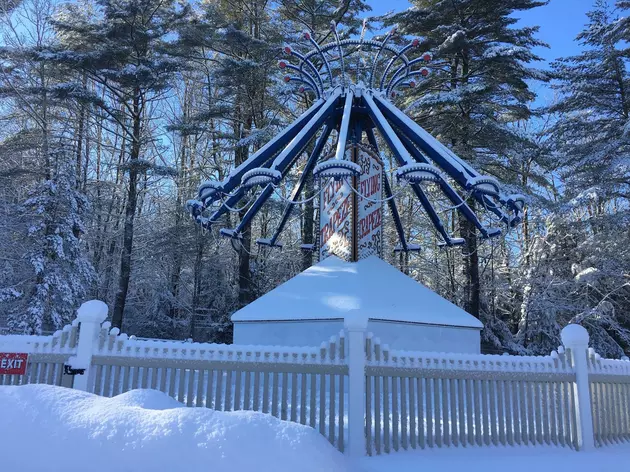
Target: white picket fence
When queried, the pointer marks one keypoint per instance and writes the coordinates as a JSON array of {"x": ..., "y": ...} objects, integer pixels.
[
  {"x": 362, "y": 396},
  {"x": 424, "y": 400},
  {"x": 301, "y": 385}
]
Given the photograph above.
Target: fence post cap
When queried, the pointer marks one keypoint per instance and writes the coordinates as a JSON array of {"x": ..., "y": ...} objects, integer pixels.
[
  {"x": 574, "y": 335},
  {"x": 355, "y": 323},
  {"x": 92, "y": 311}
]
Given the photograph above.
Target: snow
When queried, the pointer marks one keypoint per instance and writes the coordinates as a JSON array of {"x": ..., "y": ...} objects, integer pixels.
[
  {"x": 491, "y": 459},
  {"x": 336, "y": 168},
  {"x": 260, "y": 176},
  {"x": 503, "y": 50},
  {"x": 587, "y": 275},
  {"x": 574, "y": 335},
  {"x": 419, "y": 172},
  {"x": 93, "y": 310},
  {"x": 46, "y": 428},
  {"x": 370, "y": 288}
]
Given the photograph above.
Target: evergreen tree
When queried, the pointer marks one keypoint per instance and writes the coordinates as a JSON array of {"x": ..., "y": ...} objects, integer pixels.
[
  {"x": 478, "y": 88},
  {"x": 316, "y": 16},
  {"x": 124, "y": 48},
  {"x": 591, "y": 146},
  {"x": 45, "y": 221},
  {"x": 55, "y": 210},
  {"x": 246, "y": 41},
  {"x": 592, "y": 133}
]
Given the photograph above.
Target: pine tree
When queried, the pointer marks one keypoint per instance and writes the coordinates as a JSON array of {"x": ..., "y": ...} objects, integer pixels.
[
  {"x": 479, "y": 86},
  {"x": 245, "y": 40},
  {"x": 46, "y": 221},
  {"x": 316, "y": 16},
  {"x": 55, "y": 210},
  {"x": 591, "y": 146},
  {"x": 123, "y": 48},
  {"x": 592, "y": 133}
]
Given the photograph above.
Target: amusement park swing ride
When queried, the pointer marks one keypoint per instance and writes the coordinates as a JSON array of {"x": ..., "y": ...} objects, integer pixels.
[{"x": 352, "y": 82}]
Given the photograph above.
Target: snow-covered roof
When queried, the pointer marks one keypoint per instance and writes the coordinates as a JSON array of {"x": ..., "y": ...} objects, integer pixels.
[{"x": 370, "y": 288}]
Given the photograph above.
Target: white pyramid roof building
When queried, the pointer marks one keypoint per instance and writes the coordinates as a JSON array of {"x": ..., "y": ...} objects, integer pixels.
[{"x": 370, "y": 288}]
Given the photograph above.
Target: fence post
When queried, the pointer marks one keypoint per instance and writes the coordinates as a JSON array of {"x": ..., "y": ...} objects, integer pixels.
[
  {"x": 356, "y": 328},
  {"x": 90, "y": 316},
  {"x": 575, "y": 338}
]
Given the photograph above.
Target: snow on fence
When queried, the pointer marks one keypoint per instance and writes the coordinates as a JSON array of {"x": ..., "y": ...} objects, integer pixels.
[
  {"x": 47, "y": 356},
  {"x": 610, "y": 398},
  {"x": 362, "y": 396}
]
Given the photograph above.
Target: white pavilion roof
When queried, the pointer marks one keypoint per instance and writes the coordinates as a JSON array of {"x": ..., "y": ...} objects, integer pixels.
[{"x": 372, "y": 288}]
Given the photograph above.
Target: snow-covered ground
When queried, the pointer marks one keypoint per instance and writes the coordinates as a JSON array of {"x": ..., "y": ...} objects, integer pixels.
[
  {"x": 44, "y": 428},
  {"x": 502, "y": 459},
  {"x": 49, "y": 429}
]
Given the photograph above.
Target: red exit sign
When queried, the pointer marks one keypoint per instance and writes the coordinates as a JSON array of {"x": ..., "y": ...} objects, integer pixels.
[{"x": 13, "y": 363}]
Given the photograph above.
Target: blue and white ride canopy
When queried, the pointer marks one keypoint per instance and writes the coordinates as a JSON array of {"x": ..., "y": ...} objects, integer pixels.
[{"x": 352, "y": 82}]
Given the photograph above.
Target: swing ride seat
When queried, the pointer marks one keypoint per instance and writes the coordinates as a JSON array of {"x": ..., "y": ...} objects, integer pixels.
[
  {"x": 307, "y": 247},
  {"x": 337, "y": 169},
  {"x": 194, "y": 207},
  {"x": 418, "y": 172},
  {"x": 452, "y": 242},
  {"x": 516, "y": 201},
  {"x": 268, "y": 242},
  {"x": 230, "y": 233},
  {"x": 205, "y": 223},
  {"x": 410, "y": 248},
  {"x": 515, "y": 220},
  {"x": 492, "y": 233}
]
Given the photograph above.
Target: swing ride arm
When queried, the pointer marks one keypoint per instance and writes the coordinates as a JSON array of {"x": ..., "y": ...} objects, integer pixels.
[
  {"x": 463, "y": 174},
  {"x": 403, "y": 158},
  {"x": 287, "y": 158},
  {"x": 388, "y": 194},
  {"x": 297, "y": 190}
]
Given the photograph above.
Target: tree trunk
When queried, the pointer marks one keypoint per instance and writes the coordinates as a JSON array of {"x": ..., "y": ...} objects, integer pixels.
[
  {"x": 468, "y": 231},
  {"x": 197, "y": 279},
  {"x": 308, "y": 223},
  {"x": 472, "y": 291},
  {"x": 130, "y": 213},
  {"x": 177, "y": 256},
  {"x": 245, "y": 294},
  {"x": 80, "y": 132}
]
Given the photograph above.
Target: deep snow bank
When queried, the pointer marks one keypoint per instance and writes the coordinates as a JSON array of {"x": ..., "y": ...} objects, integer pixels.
[{"x": 44, "y": 428}]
